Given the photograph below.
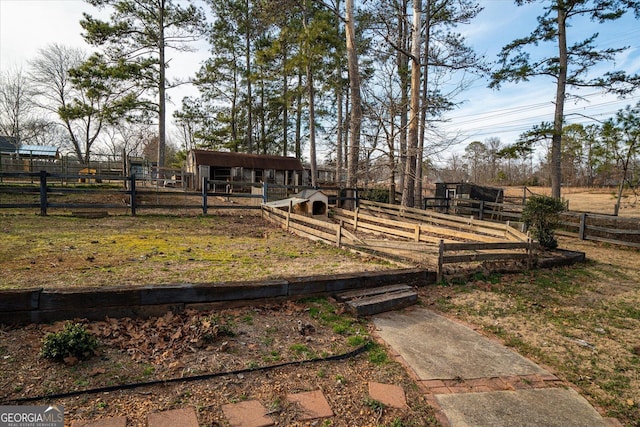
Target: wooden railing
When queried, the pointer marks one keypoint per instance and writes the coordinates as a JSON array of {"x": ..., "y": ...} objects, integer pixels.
[
  {"x": 479, "y": 254},
  {"x": 581, "y": 225},
  {"x": 444, "y": 240}
]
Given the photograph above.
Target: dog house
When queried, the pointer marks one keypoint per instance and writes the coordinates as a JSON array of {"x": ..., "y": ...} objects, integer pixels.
[{"x": 307, "y": 202}]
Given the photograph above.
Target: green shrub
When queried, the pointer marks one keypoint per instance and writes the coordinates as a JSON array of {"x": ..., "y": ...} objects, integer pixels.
[
  {"x": 72, "y": 341},
  {"x": 542, "y": 215},
  {"x": 380, "y": 195}
]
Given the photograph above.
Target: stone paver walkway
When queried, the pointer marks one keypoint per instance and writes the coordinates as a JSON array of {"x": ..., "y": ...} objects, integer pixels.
[{"x": 251, "y": 413}]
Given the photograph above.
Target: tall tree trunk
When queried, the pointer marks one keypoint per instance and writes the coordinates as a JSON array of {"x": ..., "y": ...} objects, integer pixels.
[
  {"x": 312, "y": 127},
  {"x": 424, "y": 102},
  {"x": 263, "y": 127},
  {"x": 339, "y": 134},
  {"x": 312, "y": 112},
  {"x": 356, "y": 104},
  {"x": 403, "y": 69},
  {"x": 408, "y": 192},
  {"x": 234, "y": 114},
  {"x": 299, "y": 117},
  {"x": 248, "y": 71},
  {"x": 285, "y": 104},
  {"x": 345, "y": 129},
  {"x": 558, "y": 118},
  {"x": 161, "y": 90},
  {"x": 340, "y": 122},
  {"x": 391, "y": 136}
]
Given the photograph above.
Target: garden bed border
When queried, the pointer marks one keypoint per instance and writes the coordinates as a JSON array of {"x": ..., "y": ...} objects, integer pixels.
[{"x": 47, "y": 305}]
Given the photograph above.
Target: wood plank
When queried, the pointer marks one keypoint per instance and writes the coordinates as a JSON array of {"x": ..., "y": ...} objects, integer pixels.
[
  {"x": 382, "y": 303},
  {"x": 367, "y": 292},
  {"x": 19, "y": 299},
  {"x": 396, "y": 244},
  {"x": 484, "y": 246},
  {"x": 452, "y": 259}
]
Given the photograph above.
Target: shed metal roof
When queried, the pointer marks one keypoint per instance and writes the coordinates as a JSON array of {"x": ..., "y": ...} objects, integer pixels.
[
  {"x": 38, "y": 150},
  {"x": 246, "y": 160}
]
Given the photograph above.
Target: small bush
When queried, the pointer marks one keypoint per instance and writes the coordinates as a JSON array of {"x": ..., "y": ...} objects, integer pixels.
[
  {"x": 72, "y": 341},
  {"x": 380, "y": 195},
  {"x": 541, "y": 214}
]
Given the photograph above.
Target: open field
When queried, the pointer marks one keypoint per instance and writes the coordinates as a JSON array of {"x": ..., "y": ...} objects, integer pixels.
[
  {"x": 594, "y": 200},
  {"x": 580, "y": 322}
]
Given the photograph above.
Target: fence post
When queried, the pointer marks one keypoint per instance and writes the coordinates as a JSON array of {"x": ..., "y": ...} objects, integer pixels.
[
  {"x": 583, "y": 225},
  {"x": 417, "y": 232},
  {"x": 205, "y": 191},
  {"x": 339, "y": 235},
  {"x": 264, "y": 192},
  {"x": 43, "y": 193},
  {"x": 355, "y": 219},
  {"x": 132, "y": 194},
  {"x": 439, "y": 273},
  {"x": 481, "y": 213}
]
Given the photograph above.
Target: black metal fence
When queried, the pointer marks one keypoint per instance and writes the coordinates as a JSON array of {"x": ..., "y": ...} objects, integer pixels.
[{"x": 91, "y": 194}]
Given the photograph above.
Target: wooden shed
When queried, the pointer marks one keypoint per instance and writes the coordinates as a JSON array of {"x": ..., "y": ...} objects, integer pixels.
[
  {"x": 467, "y": 190},
  {"x": 243, "y": 167}
]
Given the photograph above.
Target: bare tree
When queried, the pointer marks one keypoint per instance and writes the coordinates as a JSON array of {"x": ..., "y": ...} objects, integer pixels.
[
  {"x": 50, "y": 75},
  {"x": 408, "y": 192},
  {"x": 19, "y": 117}
]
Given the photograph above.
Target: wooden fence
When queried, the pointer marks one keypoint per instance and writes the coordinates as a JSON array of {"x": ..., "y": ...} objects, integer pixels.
[
  {"x": 581, "y": 225},
  {"x": 601, "y": 228},
  {"x": 413, "y": 235},
  {"x": 479, "y": 209},
  {"x": 455, "y": 226}
]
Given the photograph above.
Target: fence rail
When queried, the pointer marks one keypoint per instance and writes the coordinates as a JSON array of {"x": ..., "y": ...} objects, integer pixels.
[
  {"x": 581, "y": 225},
  {"x": 47, "y": 191},
  {"x": 407, "y": 239}
]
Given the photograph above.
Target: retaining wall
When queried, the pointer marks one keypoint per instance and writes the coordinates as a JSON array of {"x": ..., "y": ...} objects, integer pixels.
[{"x": 47, "y": 305}]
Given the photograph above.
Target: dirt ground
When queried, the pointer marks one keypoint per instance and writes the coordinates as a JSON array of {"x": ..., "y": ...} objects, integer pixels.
[{"x": 222, "y": 342}]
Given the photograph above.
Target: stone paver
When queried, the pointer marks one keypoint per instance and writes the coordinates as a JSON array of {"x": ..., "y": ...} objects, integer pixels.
[
  {"x": 249, "y": 413},
  {"x": 313, "y": 403},
  {"x": 185, "y": 417},
  {"x": 102, "y": 422},
  {"x": 388, "y": 394}
]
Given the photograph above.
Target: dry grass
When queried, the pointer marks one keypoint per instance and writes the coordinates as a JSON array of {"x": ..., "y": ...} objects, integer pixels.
[
  {"x": 594, "y": 200},
  {"x": 64, "y": 252}
]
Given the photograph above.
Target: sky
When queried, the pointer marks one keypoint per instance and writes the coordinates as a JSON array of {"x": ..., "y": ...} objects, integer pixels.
[{"x": 29, "y": 25}]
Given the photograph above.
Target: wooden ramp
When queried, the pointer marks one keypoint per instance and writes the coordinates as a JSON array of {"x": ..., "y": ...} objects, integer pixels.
[{"x": 367, "y": 302}]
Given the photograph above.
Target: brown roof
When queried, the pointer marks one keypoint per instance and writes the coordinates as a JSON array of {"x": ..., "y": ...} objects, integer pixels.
[{"x": 245, "y": 160}]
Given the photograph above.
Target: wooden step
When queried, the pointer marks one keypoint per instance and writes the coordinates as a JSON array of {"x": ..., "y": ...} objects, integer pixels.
[
  {"x": 369, "y": 292},
  {"x": 384, "y": 302},
  {"x": 366, "y": 302}
]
